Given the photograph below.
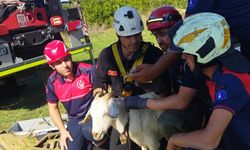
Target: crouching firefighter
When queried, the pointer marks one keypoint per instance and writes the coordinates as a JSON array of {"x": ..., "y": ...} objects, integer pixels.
[{"x": 116, "y": 61}]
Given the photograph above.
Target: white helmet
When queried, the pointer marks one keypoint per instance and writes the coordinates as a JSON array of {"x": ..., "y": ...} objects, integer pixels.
[
  {"x": 127, "y": 21},
  {"x": 205, "y": 35}
]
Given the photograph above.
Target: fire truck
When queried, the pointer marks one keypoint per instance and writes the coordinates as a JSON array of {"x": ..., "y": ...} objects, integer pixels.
[{"x": 26, "y": 26}]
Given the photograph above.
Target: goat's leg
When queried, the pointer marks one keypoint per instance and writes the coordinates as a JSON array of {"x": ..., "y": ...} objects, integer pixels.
[
  {"x": 123, "y": 138},
  {"x": 153, "y": 144},
  {"x": 144, "y": 148}
]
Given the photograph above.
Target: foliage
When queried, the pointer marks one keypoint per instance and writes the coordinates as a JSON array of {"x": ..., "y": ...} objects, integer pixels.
[{"x": 101, "y": 11}]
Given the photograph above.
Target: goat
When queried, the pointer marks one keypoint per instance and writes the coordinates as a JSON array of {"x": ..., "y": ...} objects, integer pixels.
[{"x": 143, "y": 129}]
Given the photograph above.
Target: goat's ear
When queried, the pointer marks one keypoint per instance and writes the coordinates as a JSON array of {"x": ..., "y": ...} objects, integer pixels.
[{"x": 86, "y": 119}]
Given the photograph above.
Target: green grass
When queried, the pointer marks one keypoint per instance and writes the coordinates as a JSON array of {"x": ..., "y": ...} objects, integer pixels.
[{"x": 30, "y": 102}]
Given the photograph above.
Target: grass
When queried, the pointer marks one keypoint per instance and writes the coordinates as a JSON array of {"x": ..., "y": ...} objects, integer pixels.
[{"x": 30, "y": 102}]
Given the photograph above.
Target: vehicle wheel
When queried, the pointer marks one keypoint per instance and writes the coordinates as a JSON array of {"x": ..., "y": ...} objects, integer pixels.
[
  {"x": 45, "y": 72},
  {"x": 10, "y": 86}
]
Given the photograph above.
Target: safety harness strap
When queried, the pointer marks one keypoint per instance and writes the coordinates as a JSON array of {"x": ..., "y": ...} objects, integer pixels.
[
  {"x": 137, "y": 62},
  {"x": 127, "y": 79}
]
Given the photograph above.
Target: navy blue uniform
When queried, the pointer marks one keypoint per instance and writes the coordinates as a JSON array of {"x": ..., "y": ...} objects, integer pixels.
[
  {"x": 228, "y": 91},
  {"x": 236, "y": 13},
  {"x": 76, "y": 96}
]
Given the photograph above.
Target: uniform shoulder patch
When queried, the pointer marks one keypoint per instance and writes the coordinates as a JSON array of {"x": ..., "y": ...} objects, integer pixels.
[
  {"x": 112, "y": 73},
  {"x": 221, "y": 95}
]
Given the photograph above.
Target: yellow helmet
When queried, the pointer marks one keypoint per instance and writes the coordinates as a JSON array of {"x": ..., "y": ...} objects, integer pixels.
[{"x": 205, "y": 35}]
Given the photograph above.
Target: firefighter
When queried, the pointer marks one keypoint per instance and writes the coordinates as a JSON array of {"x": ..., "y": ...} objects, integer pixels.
[
  {"x": 116, "y": 61},
  {"x": 236, "y": 13},
  {"x": 187, "y": 107},
  {"x": 204, "y": 41},
  {"x": 71, "y": 84}
]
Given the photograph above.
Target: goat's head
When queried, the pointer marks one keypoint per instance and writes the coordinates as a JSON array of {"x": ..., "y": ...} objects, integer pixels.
[{"x": 99, "y": 112}]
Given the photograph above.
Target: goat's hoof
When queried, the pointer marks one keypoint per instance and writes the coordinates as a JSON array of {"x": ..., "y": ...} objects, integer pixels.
[{"x": 123, "y": 138}]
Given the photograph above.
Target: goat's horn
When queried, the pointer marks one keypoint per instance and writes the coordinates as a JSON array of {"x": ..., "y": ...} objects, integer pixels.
[{"x": 97, "y": 93}]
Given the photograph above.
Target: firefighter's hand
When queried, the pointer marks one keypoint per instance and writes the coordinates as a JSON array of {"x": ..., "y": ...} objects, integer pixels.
[
  {"x": 144, "y": 73},
  {"x": 172, "y": 146},
  {"x": 63, "y": 139},
  {"x": 135, "y": 102}
]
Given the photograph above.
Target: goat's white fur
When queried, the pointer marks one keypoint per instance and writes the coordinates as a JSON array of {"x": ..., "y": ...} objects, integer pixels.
[{"x": 143, "y": 129}]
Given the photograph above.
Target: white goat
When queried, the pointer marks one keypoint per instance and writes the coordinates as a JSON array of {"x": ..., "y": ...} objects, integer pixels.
[{"x": 143, "y": 129}]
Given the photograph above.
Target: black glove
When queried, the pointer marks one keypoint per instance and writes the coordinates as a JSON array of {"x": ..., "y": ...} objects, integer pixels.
[{"x": 135, "y": 102}]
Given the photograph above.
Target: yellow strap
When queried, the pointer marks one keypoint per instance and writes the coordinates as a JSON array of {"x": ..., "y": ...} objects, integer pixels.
[
  {"x": 118, "y": 60},
  {"x": 137, "y": 62}
]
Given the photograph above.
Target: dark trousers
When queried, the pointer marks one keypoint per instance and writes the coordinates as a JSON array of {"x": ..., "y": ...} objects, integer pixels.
[
  {"x": 79, "y": 141},
  {"x": 175, "y": 121}
]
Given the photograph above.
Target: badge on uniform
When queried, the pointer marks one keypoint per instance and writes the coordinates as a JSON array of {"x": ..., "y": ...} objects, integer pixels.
[
  {"x": 112, "y": 73},
  {"x": 220, "y": 95}
]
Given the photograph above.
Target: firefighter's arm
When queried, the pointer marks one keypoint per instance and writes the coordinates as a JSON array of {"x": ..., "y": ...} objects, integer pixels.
[
  {"x": 198, "y": 6},
  {"x": 147, "y": 72},
  {"x": 101, "y": 77},
  {"x": 57, "y": 119},
  {"x": 207, "y": 138},
  {"x": 179, "y": 101}
]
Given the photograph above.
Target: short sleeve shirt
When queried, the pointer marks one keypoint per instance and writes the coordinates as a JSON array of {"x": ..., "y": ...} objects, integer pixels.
[
  {"x": 230, "y": 91},
  {"x": 76, "y": 95}
]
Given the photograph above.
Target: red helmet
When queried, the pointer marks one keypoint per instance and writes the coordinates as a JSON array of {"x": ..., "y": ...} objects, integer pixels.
[
  {"x": 163, "y": 17},
  {"x": 54, "y": 51}
]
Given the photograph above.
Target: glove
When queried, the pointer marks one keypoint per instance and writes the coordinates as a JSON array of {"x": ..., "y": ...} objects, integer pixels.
[{"x": 135, "y": 102}]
